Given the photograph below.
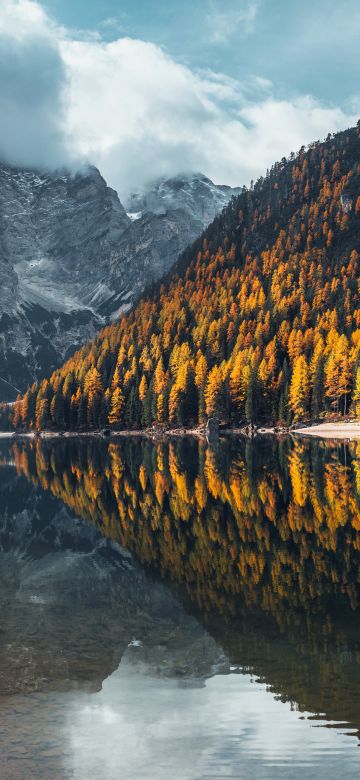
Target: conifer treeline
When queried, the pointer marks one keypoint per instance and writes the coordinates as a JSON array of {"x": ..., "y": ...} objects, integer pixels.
[{"x": 258, "y": 321}]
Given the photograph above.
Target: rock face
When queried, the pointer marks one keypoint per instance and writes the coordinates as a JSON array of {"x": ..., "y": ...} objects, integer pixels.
[
  {"x": 71, "y": 257},
  {"x": 57, "y": 234},
  {"x": 212, "y": 428},
  {"x": 165, "y": 220}
]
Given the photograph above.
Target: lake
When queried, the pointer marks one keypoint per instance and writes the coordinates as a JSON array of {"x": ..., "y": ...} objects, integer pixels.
[{"x": 179, "y": 610}]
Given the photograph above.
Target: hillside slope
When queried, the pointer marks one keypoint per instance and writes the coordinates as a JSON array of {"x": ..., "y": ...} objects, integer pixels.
[
  {"x": 165, "y": 218},
  {"x": 258, "y": 320},
  {"x": 71, "y": 258}
]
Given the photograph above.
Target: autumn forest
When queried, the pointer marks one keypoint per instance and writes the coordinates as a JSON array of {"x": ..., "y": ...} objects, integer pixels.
[{"x": 258, "y": 321}]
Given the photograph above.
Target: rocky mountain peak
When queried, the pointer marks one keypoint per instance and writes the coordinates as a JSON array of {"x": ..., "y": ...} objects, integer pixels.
[
  {"x": 72, "y": 257},
  {"x": 190, "y": 191}
]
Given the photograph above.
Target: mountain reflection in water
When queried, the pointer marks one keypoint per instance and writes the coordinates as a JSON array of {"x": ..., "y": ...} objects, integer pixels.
[{"x": 177, "y": 563}]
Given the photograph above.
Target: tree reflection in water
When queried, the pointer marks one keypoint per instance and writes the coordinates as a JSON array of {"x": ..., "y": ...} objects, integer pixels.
[{"x": 261, "y": 540}]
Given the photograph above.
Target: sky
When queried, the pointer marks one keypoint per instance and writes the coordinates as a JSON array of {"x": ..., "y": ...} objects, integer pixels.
[{"x": 145, "y": 88}]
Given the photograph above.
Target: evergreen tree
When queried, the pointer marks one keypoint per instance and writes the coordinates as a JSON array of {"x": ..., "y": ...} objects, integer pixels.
[
  {"x": 82, "y": 412},
  {"x": 116, "y": 406},
  {"x": 300, "y": 389},
  {"x": 251, "y": 400},
  {"x": 215, "y": 394},
  {"x": 57, "y": 409},
  {"x": 317, "y": 379},
  {"x": 356, "y": 396}
]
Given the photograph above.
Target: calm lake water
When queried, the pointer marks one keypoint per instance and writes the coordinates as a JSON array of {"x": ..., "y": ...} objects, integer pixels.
[{"x": 179, "y": 611}]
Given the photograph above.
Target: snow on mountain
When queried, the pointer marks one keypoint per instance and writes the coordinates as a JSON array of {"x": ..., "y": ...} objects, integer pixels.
[
  {"x": 72, "y": 257},
  {"x": 170, "y": 214}
]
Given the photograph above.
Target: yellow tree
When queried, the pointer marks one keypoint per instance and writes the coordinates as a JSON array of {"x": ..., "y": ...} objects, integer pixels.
[
  {"x": 116, "y": 406},
  {"x": 24, "y": 409},
  {"x": 214, "y": 393},
  {"x": 160, "y": 377},
  {"x": 143, "y": 388},
  {"x": 356, "y": 394},
  {"x": 239, "y": 379},
  {"x": 345, "y": 369},
  {"x": 41, "y": 413},
  {"x": 332, "y": 380},
  {"x": 93, "y": 383},
  {"x": 338, "y": 373},
  {"x": 317, "y": 377},
  {"x": 42, "y": 405},
  {"x": 116, "y": 378},
  {"x": 299, "y": 388},
  {"x": 93, "y": 389},
  {"x": 174, "y": 400},
  {"x": 160, "y": 382},
  {"x": 201, "y": 371},
  {"x": 16, "y": 412}
]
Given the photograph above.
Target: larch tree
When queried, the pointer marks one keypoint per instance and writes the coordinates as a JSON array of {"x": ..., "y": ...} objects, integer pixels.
[
  {"x": 299, "y": 389},
  {"x": 116, "y": 406},
  {"x": 214, "y": 393},
  {"x": 356, "y": 394}
]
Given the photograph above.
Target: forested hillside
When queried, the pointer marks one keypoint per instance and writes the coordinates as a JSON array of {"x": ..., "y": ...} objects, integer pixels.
[{"x": 259, "y": 320}]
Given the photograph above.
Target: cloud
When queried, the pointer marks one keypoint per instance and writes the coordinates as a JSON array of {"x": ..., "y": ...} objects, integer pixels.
[
  {"x": 131, "y": 109},
  {"x": 32, "y": 79},
  {"x": 154, "y": 116},
  {"x": 223, "y": 24},
  {"x": 112, "y": 26},
  {"x": 22, "y": 19}
]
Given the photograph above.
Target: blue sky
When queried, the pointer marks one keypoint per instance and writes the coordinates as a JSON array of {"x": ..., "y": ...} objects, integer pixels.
[
  {"x": 147, "y": 88},
  {"x": 300, "y": 45}
]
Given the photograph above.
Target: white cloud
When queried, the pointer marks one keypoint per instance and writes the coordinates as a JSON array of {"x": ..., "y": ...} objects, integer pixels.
[
  {"x": 23, "y": 19},
  {"x": 140, "y": 114},
  {"x": 32, "y": 79},
  {"x": 136, "y": 113},
  {"x": 223, "y": 24}
]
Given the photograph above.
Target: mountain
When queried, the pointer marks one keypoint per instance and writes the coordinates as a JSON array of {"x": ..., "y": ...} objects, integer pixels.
[
  {"x": 257, "y": 321},
  {"x": 57, "y": 233},
  {"x": 166, "y": 218},
  {"x": 71, "y": 258}
]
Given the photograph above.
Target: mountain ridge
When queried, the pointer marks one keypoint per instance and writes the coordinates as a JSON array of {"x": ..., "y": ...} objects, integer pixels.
[
  {"x": 71, "y": 258},
  {"x": 259, "y": 320}
]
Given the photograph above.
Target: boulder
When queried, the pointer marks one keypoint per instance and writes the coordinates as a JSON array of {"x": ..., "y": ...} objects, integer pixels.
[{"x": 212, "y": 427}]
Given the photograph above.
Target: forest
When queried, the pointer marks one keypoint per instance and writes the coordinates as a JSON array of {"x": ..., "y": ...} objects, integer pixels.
[{"x": 257, "y": 322}]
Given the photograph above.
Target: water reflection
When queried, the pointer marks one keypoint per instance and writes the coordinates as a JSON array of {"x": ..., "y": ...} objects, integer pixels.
[
  {"x": 274, "y": 523},
  {"x": 139, "y": 727},
  {"x": 246, "y": 561},
  {"x": 62, "y": 590}
]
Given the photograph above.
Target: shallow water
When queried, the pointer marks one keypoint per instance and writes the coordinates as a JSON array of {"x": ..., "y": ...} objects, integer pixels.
[{"x": 179, "y": 611}]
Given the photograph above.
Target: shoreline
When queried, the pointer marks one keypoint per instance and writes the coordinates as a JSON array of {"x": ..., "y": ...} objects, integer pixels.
[
  {"x": 331, "y": 430},
  {"x": 326, "y": 430}
]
